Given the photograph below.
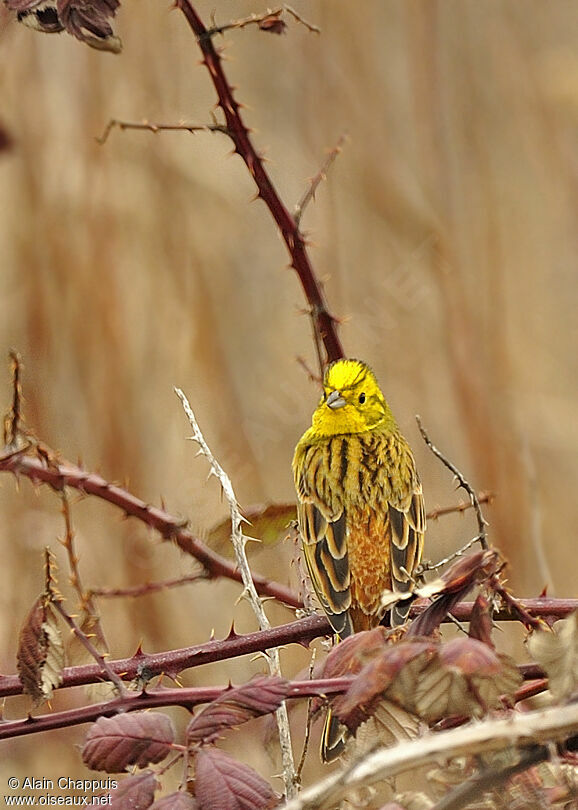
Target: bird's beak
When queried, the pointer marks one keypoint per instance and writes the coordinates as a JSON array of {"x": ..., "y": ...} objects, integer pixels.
[{"x": 335, "y": 400}]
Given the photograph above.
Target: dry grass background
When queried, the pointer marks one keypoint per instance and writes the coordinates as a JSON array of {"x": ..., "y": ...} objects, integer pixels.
[{"x": 446, "y": 237}]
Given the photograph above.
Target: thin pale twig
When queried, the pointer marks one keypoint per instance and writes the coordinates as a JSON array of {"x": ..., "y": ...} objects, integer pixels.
[
  {"x": 238, "y": 541},
  {"x": 259, "y": 20},
  {"x": 308, "y": 722},
  {"x": 85, "y": 599},
  {"x": 89, "y": 646},
  {"x": 462, "y": 482},
  {"x": 13, "y": 419},
  {"x": 427, "y": 566},
  {"x": 316, "y": 181},
  {"x": 151, "y": 127},
  {"x": 148, "y": 587},
  {"x": 462, "y": 506}
]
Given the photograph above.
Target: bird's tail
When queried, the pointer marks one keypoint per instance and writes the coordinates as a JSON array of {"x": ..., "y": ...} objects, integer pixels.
[{"x": 333, "y": 739}]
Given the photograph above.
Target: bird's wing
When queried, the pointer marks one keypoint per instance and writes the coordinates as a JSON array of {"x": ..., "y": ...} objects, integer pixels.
[
  {"x": 407, "y": 533},
  {"x": 325, "y": 551}
]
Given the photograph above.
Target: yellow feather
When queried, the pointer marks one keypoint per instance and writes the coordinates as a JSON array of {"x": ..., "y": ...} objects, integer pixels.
[{"x": 361, "y": 508}]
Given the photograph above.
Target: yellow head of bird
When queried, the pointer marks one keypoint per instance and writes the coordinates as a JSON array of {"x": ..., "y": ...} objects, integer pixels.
[{"x": 352, "y": 401}]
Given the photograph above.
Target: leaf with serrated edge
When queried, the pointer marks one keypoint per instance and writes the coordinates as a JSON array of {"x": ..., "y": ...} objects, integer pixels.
[
  {"x": 176, "y": 801},
  {"x": 114, "y": 743},
  {"x": 224, "y": 783},
  {"x": 557, "y": 652},
  {"x": 135, "y": 792},
  {"x": 262, "y": 695},
  {"x": 40, "y": 653},
  {"x": 376, "y": 678}
]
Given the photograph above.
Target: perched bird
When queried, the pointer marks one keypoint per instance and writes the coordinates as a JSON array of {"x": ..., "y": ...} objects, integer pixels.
[{"x": 361, "y": 509}]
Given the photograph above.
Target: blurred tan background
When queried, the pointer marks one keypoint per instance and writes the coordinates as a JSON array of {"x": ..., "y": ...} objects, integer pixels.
[{"x": 446, "y": 236}]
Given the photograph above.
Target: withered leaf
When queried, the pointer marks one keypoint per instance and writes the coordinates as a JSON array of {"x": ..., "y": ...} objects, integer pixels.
[
  {"x": 452, "y": 587},
  {"x": 557, "y": 652},
  {"x": 262, "y": 695},
  {"x": 176, "y": 801},
  {"x": 481, "y": 621},
  {"x": 136, "y": 792},
  {"x": 466, "y": 677},
  {"x": 375, "y": 679},
  {"x": 350, "y": 655},
  {"x": 273, "y": 24},
  {"x": 114, "y": 743},
  {"x": 87, "y": 20},
  {"x": 224, "y": 783},
  {"x": 388, "y": 725},
  {"x": 267, "y": 524},
  {"x": 40, "y": 656}
]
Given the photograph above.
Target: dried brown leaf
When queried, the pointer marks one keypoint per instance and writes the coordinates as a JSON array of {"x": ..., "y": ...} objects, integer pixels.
[
  {"x": 262, "y": 695},
  {"x": 267, "y": 524},
  {"x": 465, "y": 678},
  {"x": 273, "y": 24},
  {"x": 376, "y": 678},
  {"x": 389, "y": 725},
  {"x": 350, "y": 655},
  {"x": 87, "y": 20},
  {"x": 557, "y": 652},
  {"x": 176, "y": 801},
  {"x": 114, "y": 743},
  {"x": 452, "y": 587},
  {"x": 481, "y": 624},
  {"x": 40, "y": 656},
  {"x": 224, "y": 783},
  {"x": 136, "y": 792}
]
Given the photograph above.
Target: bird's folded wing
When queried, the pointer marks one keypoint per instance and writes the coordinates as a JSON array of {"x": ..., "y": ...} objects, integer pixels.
[{"x": 325, "y": 552}]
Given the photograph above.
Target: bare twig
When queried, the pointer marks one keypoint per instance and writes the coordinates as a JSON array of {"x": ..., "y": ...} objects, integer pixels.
[
  {"x": 462, "y": 506},
  {"x": 310, "y": 373},
  {"x": 324, "y": 324},
  {"x": 85, "y": 599},
  {"x": 148, "y": 587},
  {"x": 239, "y": 541},
  {"x": 462, "y": 482},
  {"x": 59, "y": 474},
  {"x": 149, "y": 126},
  {"x": 89, "y": 646},
  {"x": 13, "y": 419},
  {"x": 265, "y": 21},
  {"x": 427, "y": 566},
  {"x": 541, "y": 727},
  {"x": 516, "y": 606},
  {"x": 316, "y": 181},
  {"x": 308, "y": 722}
]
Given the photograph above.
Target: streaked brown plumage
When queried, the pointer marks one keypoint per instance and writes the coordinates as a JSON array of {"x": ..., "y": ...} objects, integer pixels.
[{"x": 361, "y": 509}]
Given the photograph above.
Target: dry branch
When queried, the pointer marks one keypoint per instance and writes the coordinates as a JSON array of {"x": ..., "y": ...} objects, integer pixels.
[
  {"x": 520, "y": 731},
  {"x": 238, "y": 540},
  {"x": 59, "y": 474},
  {"x": 324, "y": 324}
]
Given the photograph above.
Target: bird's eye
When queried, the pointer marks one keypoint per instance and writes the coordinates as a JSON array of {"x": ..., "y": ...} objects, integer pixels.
[{"x": 362, "y": 398}]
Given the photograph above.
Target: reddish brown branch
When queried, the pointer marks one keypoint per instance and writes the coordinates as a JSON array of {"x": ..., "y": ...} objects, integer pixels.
[
  {"x": 144, "y": 667},
  {"x": 323, "y": 322},
  {"x": 59, "y": 475},
  {"x": 188, "y": 698}
]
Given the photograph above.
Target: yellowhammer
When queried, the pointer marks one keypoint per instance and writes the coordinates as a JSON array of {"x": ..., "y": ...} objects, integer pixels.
[{"x": 361, "y": 509}]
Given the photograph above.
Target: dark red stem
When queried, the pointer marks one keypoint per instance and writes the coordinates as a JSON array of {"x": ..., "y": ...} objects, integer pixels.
[
  {"x": 324, "y": 323},
  {"x": 60, "y": 475}
]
